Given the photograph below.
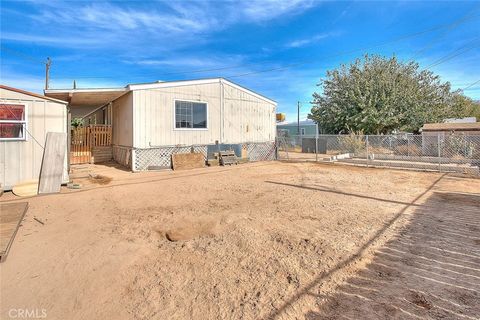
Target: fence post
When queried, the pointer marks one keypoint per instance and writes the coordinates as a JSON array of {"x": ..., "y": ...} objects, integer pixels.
[
  {"x": 439, "y": 153},
  {"x": 366, "y": 142},
  {"x": 408, "y": 146},
  {"x": 316, "y": 142},
  {"x": 277, "y": 146}
]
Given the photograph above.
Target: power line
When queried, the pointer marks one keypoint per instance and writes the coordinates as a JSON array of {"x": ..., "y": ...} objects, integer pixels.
[
  {"x": 470, "y": 85},
  {"x": 301, "y": 63},
  {"x": 400, "y": 38},
  {"x": 184, "y": 72},
  {"x": 333, "y": 55},
  {"x": 455, "y": 53},
  {"x": 454, "y": 25},
  {"x": 165, "y": 74}
]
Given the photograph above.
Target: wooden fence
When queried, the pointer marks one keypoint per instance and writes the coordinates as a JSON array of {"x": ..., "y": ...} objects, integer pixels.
[{"x": 84, "y": 139}]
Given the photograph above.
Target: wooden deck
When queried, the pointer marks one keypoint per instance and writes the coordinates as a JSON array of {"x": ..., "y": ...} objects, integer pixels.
[{"x": 11, "y": 214}]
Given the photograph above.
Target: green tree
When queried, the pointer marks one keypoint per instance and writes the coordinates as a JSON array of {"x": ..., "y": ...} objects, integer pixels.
[
  {"x": 376, "y": 95},
  {"x": 471, "y": 108}
]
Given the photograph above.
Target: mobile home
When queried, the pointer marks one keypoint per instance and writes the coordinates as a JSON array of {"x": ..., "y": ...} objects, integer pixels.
[{"x": 150, "y": 121}]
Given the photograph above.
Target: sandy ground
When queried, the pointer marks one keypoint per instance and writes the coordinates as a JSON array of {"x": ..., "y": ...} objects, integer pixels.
[
  {"x": 265, "y": 240},
  {"x": 431, "y": 270}
]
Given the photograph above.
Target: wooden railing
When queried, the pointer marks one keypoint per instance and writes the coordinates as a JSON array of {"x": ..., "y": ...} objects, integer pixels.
[
  {"x": 101, "y": 135},
  {"x": 84, "y": 139}
]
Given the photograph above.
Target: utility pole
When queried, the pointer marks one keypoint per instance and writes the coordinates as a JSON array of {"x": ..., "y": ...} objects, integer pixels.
[
  {"x": 298, "y": 117},
  {"x": 47, "y": 72}
]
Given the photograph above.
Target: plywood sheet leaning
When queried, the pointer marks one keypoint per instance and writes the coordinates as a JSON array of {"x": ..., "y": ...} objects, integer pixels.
[
  {"x": 181, "y": 161},
  {"x": 11, "y": 214},
  {"x": 52, "y": 164}
]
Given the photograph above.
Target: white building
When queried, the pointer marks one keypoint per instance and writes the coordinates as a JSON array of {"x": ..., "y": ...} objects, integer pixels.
[
  {"x": 25, "y": 119},
  {"x": 152, "y": 120}
]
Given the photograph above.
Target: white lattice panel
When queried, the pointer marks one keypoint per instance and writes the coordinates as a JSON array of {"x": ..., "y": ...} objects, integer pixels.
[
  {"x": 202, "y": 150},
  {"x": 261, "y": 151},
  {"x": 162, "y": 157}
]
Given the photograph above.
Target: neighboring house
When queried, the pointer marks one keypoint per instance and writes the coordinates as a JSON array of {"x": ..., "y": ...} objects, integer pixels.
[
  {"x": 306, "y": 128},
  {"x": 433, "y": 129},
  {"x": 151, "y": 121},
  {"x": 434, "y": 133},
  {"x": 25, "y": 119}
]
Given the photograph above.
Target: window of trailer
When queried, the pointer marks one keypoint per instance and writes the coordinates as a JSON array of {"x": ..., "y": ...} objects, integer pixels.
[
  {"x": 13, "y": 122},
  {"x": 190, "y": 115}
]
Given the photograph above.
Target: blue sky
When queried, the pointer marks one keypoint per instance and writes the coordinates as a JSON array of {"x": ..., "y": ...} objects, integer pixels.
[{"x": 108, "y": 44}]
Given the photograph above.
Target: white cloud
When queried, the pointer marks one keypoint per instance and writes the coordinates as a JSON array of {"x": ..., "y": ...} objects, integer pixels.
[
  {"x": 307, "y": 41},
  {"x": 216, "y": 61},
  {"x": 115, "y": 18},
  {"x": 264, "y": 10},
  {"x": 151, "y": 35},
  {"x": 49, "y": 40},
  {"x": 99, "y": 24}
]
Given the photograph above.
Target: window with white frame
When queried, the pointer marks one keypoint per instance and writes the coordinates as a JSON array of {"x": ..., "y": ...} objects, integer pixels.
[
  {"x": 190, "y": 115},
  {"x": 13, "y": 121}
]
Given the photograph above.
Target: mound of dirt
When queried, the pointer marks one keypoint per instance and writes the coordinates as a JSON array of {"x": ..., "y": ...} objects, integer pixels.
[
  {"x": 188, "y": 230},
  {"x": 99, "y": 179}
]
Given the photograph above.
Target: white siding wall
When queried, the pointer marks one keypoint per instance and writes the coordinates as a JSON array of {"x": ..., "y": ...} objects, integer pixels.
[
  {"x": 154, "y": 115},
  {"x": 247, "y": 118},
  {"x": 21, "y": 160},
  {"x": 122, "y": 126}
]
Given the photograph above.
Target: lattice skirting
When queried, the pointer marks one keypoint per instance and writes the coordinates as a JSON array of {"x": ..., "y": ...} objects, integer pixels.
[
  {"x": 260, "y": 151},
  {"x": 161, "y": 157}
]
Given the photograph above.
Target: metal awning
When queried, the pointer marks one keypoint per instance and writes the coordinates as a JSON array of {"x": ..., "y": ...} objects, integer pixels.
[{"x": 86, "y": 97}]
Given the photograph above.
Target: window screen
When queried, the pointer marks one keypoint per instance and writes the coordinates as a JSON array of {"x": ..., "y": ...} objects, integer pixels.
[
  {"x": 12, "y": 122},
  {"x": 190, "y": 115}
]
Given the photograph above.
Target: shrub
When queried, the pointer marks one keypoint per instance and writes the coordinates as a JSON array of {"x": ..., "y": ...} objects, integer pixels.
[
  {"x": 408, "y": 150},
  {"x": 352, "y": 143},
  {"x": 77, "y": 122}
]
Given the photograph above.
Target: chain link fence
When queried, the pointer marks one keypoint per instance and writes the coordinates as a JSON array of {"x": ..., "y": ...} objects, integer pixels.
[
  {"x": 160, "y": 157},
  {"x": 429, "y": 151}
]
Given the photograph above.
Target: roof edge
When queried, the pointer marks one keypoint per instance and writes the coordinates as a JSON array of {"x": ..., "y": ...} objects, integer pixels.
[
  {"x": 166, "y": 84},
  {"x": 32, "y": 94},
  {"x": 85, "y": 90},
  {"x": 451, "y": 126},
  {"x": 258, "y": 95}
]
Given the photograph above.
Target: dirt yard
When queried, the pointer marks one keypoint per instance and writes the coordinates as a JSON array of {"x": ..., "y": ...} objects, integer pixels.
[{"x": 263, "y": 240}]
